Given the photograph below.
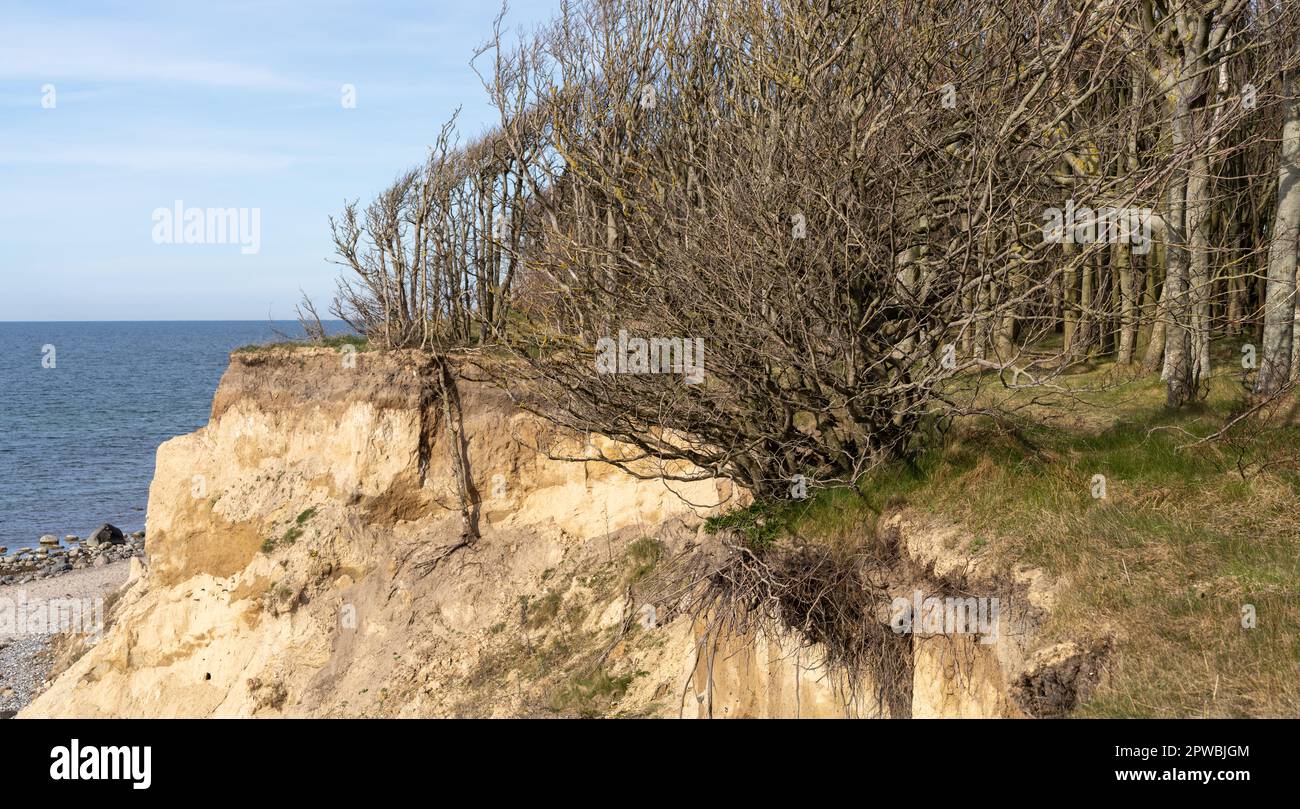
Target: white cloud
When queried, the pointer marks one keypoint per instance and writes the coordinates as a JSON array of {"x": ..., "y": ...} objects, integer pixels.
[
  {"x": 61, "y": 51},
  {"x": 185, "y": 159}
]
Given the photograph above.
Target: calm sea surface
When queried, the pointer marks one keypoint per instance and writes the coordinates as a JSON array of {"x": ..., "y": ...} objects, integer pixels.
[{"x": 77, "y": 440}]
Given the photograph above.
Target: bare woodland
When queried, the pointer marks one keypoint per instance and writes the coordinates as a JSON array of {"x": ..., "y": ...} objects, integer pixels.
[{"x": 854, "y": 206}]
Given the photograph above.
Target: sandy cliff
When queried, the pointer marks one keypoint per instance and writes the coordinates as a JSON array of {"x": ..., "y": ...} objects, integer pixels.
[{"x": 300, "y": 564}]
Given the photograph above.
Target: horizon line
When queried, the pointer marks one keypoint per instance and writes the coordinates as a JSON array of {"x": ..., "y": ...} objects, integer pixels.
[{"x": 172, "y": 320}]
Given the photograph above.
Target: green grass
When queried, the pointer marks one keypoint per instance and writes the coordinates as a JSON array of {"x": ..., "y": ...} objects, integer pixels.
[
  {"x": 1184, "y": 538},
  {"x": 544, "y": 610},
  {"x": 591, "y": 696},
  {"x": 826, "y": 514},
  {"x": 642, "y": 556},
  {"x": 291, "y": 534},
  {"x": 759, "y": 524},
  {"x": 338, "y": 341}
]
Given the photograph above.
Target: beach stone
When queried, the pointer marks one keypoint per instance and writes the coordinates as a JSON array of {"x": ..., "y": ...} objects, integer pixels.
[
  {"x": 72, "y": 538},
  {"x": 49, "y": 539},
  {"x": 100, "y": 561},
  {"x": 107, "y": 534}
]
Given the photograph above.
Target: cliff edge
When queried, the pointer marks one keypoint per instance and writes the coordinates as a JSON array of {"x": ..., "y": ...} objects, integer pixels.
[{"x": 308, "y": 556}]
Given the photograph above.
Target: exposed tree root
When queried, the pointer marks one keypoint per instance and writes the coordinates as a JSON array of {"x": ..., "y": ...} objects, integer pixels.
[{"x": 830, "y": 599}]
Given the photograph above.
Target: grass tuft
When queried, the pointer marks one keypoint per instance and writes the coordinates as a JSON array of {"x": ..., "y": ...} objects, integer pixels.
[{"x": 357, "y": 341}]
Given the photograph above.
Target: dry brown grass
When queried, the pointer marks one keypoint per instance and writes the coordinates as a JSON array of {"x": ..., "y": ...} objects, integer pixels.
[
  {"x": 1184, "y": 541},
  {"x": 1181, "y": 545}
]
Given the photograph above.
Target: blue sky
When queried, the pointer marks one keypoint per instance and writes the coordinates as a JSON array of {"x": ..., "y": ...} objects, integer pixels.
[{"x": 218, "y": 105}]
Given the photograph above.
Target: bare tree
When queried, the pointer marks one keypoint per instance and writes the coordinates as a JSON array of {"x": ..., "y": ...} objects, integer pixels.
[{"x": 773, "y": 240}]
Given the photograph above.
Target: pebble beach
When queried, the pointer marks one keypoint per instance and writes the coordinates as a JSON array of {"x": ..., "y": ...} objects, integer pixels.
[{"x": 42, "y": 589}]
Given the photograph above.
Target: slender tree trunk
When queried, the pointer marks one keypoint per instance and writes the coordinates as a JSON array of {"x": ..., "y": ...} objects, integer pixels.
[
  {"x": 1069, "y": 296},
  {"x": 1200, "y": 278},
  {"x": 1123, "y": 260},
  {"x": 1178, "y": 366},
  {"x": 1155, "y": 313},
  {"x": 1276, "y": 359},
  {"x": 1083, "y": 339},
  {"x": 1236, "y": 289},
  {"x": 1127, "y": 304}
]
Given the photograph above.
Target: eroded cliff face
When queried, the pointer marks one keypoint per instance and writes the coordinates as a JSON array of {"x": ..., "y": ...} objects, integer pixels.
[{"x": 307, "y": 557}]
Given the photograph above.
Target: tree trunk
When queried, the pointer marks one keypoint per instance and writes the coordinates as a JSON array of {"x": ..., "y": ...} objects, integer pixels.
[
  {"x": 1178, "y": 366},
  {"x": 1155, "y": 314},
  {"x": 1276, "y": 359},
  {"x": 1200, "y": 277},
  {"x": 1127, "y": 304}
]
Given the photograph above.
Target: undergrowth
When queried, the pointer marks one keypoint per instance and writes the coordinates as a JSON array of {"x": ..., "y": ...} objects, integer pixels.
[{"x": 1169, "y": 544}]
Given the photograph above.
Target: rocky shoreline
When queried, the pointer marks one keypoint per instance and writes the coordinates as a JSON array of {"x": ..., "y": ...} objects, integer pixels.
[{"x": 105, "y": 545}]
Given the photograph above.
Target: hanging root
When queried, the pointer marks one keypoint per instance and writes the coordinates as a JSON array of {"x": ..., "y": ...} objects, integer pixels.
[
  {"x": 440, "y": 377},
  {"x": 830, "y": 599}
]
